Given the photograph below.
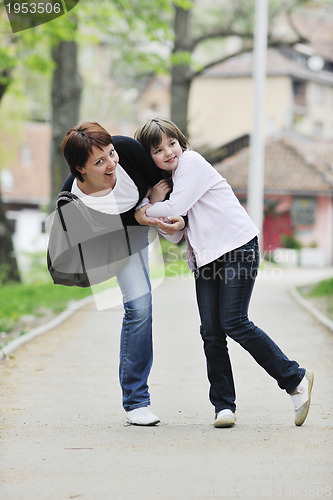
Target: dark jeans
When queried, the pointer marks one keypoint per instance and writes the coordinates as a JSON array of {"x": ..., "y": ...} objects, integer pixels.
[{"x": 224, "y": 289}]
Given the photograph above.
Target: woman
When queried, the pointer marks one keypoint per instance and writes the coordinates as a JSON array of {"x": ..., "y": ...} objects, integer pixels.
[{"x": 111, "y": 175}]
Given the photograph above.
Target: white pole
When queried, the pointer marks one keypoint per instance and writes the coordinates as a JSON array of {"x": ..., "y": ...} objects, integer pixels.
[{"x": 255, "y": 194}]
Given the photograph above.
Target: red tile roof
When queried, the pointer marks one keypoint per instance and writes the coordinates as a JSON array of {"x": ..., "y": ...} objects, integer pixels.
[
  {"x": 315, "y": 26},
  {"x": 277, "y": 64},
  {"x": 291, "y": 166}
]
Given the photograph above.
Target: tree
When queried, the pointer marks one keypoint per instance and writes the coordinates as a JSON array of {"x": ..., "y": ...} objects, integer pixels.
[
  {"x": 222, "y": 20},
  {"x": 8, "y": 265},
  {"x": 17, "y": 50},
  {"x": 52, "y": 48},
  {"x": 66, "y": 96}
]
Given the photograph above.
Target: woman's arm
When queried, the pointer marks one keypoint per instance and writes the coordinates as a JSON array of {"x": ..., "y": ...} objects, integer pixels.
[{"x": 176, "y": 224}]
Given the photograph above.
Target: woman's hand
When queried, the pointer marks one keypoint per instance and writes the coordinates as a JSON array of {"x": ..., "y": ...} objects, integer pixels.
[
  {"x": 174, "y": 225},
  {"x": 142, "y": 219},
  {"x": 159, "y": 191},
  {"x": 178, "y": 224}
]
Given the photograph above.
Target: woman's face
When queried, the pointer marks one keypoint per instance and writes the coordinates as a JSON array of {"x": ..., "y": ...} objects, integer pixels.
[{"x": 99, "y": 172}]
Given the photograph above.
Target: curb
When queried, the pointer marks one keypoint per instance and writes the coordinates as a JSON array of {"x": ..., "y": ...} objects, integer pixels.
[
  {"x": 19, "y": 341},
  {"x": 23, "y": 339},
  {"x": 57, "y": 320},
  {"x": 324, "y": 320}
]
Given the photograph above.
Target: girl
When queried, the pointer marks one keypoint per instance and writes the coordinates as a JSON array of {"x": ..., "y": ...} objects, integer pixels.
[{"x": 223, "y": 252}]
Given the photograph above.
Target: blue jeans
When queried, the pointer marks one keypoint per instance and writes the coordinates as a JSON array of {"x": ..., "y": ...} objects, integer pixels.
[
  {"x": 224, "y": 288},
  {"x": 136, "y": 346}
]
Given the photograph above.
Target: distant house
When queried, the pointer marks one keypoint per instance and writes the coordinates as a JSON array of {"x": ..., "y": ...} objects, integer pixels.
[
  {"x": 26, "y": 186},
  {"x": 298, "y": 191},
  {"x": 298, "y": 89},
  {"x": 154, "y": 98},
  {"x": 297, "y": 98}
]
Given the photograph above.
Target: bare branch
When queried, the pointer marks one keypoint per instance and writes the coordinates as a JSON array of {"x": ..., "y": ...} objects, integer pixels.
[
  {"x": 220, "y": 33},
  {"x": 247, "y": 48},
  {"x": 244, "y": 50},
  {"x": 301, "y": 38}
]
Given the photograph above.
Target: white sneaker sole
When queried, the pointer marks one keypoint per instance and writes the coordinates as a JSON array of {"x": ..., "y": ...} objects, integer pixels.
[
  {"x": 302, "y": 413},
  {"x": 145, "y": 424},
  {"x": 225, "y": 421}
]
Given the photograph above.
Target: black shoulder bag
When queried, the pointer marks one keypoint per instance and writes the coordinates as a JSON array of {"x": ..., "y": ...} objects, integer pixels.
[{"x": 85, "y": 247}]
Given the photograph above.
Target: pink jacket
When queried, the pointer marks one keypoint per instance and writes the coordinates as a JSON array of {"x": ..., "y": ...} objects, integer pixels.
[{"x": 217, "y": 222}]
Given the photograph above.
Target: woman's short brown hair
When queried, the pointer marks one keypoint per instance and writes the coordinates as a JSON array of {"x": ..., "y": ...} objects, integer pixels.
[
  {"x": 78, "y": 143},
  {"x": 151, "y": 133}
]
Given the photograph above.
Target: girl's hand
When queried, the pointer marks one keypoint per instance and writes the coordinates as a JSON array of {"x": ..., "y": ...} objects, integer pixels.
[
  {"x": 177, "y": 224},
  {"x": 159, "y": 191}
]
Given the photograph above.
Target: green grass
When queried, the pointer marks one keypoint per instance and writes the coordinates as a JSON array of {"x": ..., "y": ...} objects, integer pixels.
[
  {"x": 321, "y": 296},
  {"x": 33, "y": 299},
  {"x": 322, "y": 289},
  {"x": 37, "y": 295}
]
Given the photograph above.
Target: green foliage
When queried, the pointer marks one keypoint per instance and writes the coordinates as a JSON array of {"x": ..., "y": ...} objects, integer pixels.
[
  {"x": 7, "y": 58},
  {"x": 179, "y": 58},
  {"x": 185, "y": 4},
  {"x": 290, "y": 241},
  {"x": 12, "y": 114},
  {"x": 174, "y": 257},
  {"x": 128, "y": 27}
]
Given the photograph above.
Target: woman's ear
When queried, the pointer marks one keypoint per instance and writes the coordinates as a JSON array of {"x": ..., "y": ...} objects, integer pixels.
[{"x": 81, "y": 170}]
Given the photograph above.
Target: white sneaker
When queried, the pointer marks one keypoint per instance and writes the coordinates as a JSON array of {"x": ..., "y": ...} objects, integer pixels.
[
  {"x": 225, "y": 418},
  {"x": 142, "y": 416},
  {"x": 301, "y": 397}
]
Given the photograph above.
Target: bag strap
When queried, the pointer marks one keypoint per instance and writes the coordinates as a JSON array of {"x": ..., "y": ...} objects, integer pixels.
[{"x": 70, "y": 197}]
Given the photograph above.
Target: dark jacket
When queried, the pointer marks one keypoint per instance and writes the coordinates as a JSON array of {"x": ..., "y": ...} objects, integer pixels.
[
  {"x": 86, "y": 246},
  {"x": 136, "y": 161}
]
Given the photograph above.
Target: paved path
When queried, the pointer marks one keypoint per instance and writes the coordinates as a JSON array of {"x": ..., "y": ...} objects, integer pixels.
[{"x": 64, "y": 433}]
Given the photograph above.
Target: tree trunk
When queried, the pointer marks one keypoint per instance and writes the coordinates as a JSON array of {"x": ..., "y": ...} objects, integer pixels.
[
  {"x": 66, "y": 94},
  {"x": 8, "y": 265},
  {"x": 181, "y": 73},
  {"x": 5, "y": 79}
]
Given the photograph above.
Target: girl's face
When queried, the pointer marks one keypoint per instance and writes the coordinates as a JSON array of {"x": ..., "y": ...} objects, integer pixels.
[
  {"x": 99, "y": 172},
  {"x": 167, "y": 154}
]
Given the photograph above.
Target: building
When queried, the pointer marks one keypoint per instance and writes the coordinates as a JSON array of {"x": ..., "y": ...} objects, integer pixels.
[
  {"x": 26, "y": 187},
  {"x": 297, "y": 98},
  {"x": 298, "y": 194}
]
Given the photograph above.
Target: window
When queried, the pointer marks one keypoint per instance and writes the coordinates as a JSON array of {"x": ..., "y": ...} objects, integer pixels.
[
  {"x": 26, "y": 155},
  {"x": 318, "y": 130},
  {"x": 7, "y": 180},
  {"x": 303, "y": 211},
  {"x": 319, "y": 94},
  {"x": 299, "y": 92}
]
